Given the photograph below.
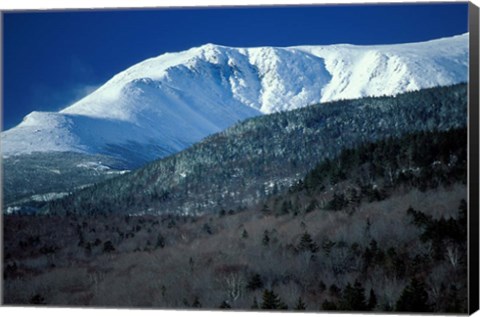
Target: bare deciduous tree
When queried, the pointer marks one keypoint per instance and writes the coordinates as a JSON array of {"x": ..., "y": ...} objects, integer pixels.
[{"x": 233, "y": 281}]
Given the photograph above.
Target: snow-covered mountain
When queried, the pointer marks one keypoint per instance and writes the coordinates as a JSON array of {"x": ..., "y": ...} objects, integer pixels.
[{"x": 164, "y": 104}]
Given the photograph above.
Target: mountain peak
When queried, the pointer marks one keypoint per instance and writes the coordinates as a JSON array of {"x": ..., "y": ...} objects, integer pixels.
[{"x": 209, "y": 46}]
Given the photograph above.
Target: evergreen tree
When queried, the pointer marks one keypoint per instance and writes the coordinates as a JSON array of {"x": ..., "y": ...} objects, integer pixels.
[
  {"x": 307, "y": 244},
  {"x": 337, "y": 202},
  {"x": 206, "y": 228},
  {"x": 37, "y": 299},
  {"x": 353, "y": 298},
  {"x": 462, "y": 213},
  {"x": 191, "y": 263},
  {"x": 334, "y": 290},
  {"x": 160, "y": 241},
  {"x": 196, "y": 302},
  {"x": 372, "y": 300},
  {"x": 327, "y": 246},
  {"x": 414, "y": 298},
  {"x": 108, "y": 247},
  {"x": 265, "y": 210},
  {"x": 255, "y": 304},
  {"x": 255, "y": 282},
  {"x": 266, "y": 238},
  {"x": 462, "y": 222},
  {"x": 224, "y": 305},
  {"x": 321, "y": 286},
  {"x": 300, "y": 305},
  {"x": 328, "y": 305},
  {"x": 286, "y": 207},
  {"x": 272, "y": 301},
  {"x": 454, "y": 304},
  {"x": 312, "y": 205}
]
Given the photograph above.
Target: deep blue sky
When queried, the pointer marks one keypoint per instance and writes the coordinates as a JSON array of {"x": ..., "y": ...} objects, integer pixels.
[{"x": 52, "y": 59}]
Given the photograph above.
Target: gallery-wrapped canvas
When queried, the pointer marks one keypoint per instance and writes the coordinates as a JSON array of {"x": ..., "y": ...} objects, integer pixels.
[{"x": 317, "y": 158}]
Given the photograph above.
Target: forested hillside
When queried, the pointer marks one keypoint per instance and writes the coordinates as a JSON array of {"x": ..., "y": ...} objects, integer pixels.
[
  {"x": 379, "y": 227},
  {"x": 265, "y": 155}
]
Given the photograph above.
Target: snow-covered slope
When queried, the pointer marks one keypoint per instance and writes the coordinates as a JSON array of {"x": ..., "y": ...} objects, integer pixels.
[{"x": 164, "y": 104}]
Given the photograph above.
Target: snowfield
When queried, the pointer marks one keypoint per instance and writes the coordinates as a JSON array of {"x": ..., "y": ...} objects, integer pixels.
[{"x": 164, "y": 104}]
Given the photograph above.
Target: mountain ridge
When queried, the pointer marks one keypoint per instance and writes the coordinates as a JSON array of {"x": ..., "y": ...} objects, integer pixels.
[{"x": 166, "y": 103}]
